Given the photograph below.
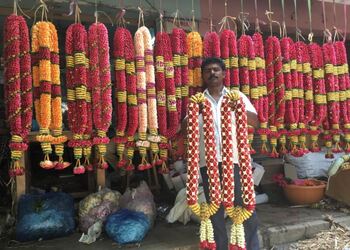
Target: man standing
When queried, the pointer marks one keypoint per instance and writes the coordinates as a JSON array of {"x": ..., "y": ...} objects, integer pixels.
[{"x": 213, "y": 74}]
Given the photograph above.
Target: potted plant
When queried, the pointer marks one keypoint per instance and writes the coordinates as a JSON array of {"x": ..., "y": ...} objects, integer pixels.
[{"x": 301, "y": 191}]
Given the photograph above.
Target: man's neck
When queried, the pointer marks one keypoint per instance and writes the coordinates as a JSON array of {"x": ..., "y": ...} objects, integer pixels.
[{"x": 215, "y": 92}]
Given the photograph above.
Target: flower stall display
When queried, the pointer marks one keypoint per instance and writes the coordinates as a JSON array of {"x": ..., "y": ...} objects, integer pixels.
[
  {"x": 126, "y": 95},
  {"x": 195, "y": 52},
  {"x": 77, "y": 80},
  {"x": 100, "y": 80},
  {"x": 17, "y": 88},
  {"x": 226, "y": 187}
]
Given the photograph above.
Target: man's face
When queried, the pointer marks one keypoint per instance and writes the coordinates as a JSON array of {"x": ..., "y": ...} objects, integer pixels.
[{"x": 213, "y": 75}]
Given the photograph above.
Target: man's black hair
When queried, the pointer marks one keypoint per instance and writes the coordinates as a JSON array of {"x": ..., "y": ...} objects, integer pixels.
[{"x": 211, "y": 60}]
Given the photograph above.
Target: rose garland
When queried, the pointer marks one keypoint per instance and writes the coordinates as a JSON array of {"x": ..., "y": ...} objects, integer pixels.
[
  {"x": 229, "y": 53},
  {"x": 275, "y": 86},
  {"x": 344, "y": 85},
  {"x": 142, "y": 142},
  {"x": 166, "y": 99},
  {"x": 18, "y": 87},
  {"x": 320, "y": 99},
  {"x": 195, "y": 52},
  {"x": 211, "y": 45},
  {"x": 184, "y": 74},
  {"x": 247, "y": 75},
  {"x": 262, "y": 90},
  {"x": 306, "y": 104},
  {"x": 287, "y": 48},
  {"x": 332, "y": 90},
  {"x": 87, "y": 148},
  {"x": 236, "y": 213},
  {"x": 77, "y": 76},
  {"x": 101, "y": 87},
  {"x": 56, "y": 102}
]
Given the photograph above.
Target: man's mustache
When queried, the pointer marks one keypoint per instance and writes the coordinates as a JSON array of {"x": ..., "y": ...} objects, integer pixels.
[{"x": 212, "y": 76}]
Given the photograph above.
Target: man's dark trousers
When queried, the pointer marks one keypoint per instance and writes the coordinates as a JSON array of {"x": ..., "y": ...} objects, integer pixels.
[{"x": 218, "y": 220}]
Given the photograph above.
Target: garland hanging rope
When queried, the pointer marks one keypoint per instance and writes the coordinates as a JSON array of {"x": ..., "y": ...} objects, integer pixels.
[
  {"x": 261, "y": 82},
  {"x": 166, "y": 95},
  {"x": 205, "y": 211},
  {"x": 77, "y": 79},
  {"x": 18, "y": 88},
  {"x": 100, "y": 78},
  {"x": 126, "y": 91}
]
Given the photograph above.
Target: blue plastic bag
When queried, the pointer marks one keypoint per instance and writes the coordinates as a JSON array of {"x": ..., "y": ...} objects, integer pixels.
[
  {"x": 45, "y": 216},
  {"x": 126, "y": 226}
]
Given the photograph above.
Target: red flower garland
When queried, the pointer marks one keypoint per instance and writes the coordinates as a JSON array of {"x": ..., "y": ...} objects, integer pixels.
[
  {"x": 226, "y": 43},
  {"x": 332, "y": 90},
  {"x": 261, "y": 82},
  {"x": 166, "y": 100},
  {"x": 184, "y": 74},
  {"x": 76, "y": 59},
  {"x": 306, "y": 103},
  {"x": 211, "y": 45},
  {"x": 101, "y": 87},
  {"x": 320, "y": 100},
  {"x": 344, "y": 85},
  {"x": 176, "y": 45},
  {"x": 18, "y": 86}
]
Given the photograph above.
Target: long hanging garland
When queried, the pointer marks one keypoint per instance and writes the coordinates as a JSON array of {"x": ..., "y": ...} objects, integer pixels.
[
  {"x": 184, "y": 74},
  {"x": 195, "y": 52},
  {"x": 228, "y": 48},
  {"x": 77, "y": 77},
  {"x": 333, "y": 95},
  {"x": 166, "y": 94},
  {"x": 126, "y": 95},
  {"x": 143, "y": 144},
  {"x": 262, "y": 90},
  {"x": 18, "y": 88},
  {"x": 211, "y": 45},
  {"x": 320, "y": 99},
  {"x": 344, "y": 85},
  {"x": 275, "y": 88},
  {"x": 237, "y": 214},
  {"x": 100, "y": 78}
]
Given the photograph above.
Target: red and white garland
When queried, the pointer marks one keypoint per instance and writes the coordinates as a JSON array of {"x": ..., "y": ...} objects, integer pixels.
[
  {"x": 166, "y": 94},
  {"x": 100, "y": 78},
  {"x": 18, "y": 88},
  {"x": 237, "y": 214}
]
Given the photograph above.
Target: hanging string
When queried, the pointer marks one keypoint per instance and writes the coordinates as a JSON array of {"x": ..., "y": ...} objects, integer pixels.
[
  {"x": 327, "y": 35},
  {"x": 284, "y": 28},
  {"x": 311, "y": 34},
  {"x": 120, "y": 15},
  {"x": 225, "y": 21},
  {"x": 298, "y": 33},
  {"x": 44, "y": 11},
  {"x": 161, "y": 15},
  {"x": 141, "y": 18},
  {"x": 346, "y": 22},
  {"x": 335, "y": 29},
  {"x": 193, "y": 25},
  {"x": 257, "y": 24},
  {"x": 176, "y": 20},
  {"x": 269, "y": 14},
  {"x": 96, "y": 14},
  {"x": 242, "y": 18},
  {"x": 210, "y": 16},
  {"x": 17, "y": 7}
]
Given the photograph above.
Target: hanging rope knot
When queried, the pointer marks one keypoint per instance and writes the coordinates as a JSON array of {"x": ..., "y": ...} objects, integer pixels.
[
  {"x": 243, "y": 18},
  {"x": 310, "y": 37},
  {"x": 327, "y": 35},
  {"x": 225, "y": 23}
]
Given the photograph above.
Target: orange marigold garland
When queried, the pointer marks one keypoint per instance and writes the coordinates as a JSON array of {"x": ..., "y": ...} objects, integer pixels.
[
  {"x": 195, "y": 52},
  {"x": 332, "y": 90},
  {"x": 77, "y": 77},
  {"x": 344, "y": 86},
  {"x": 320, "y": 99},
  {"x": 166, "y": 100},
  {"x": 100, "y": 78},
  {"x": 262, "y": 89},
  {"x": 18, "y": 87}
]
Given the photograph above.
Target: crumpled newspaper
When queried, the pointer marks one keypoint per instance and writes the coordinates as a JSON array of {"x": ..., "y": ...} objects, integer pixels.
[{"x": 93, "y": 233}]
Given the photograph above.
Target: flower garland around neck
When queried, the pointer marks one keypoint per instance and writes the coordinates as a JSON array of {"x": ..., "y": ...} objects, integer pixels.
[
  {"x": 195, "y": 53},
  {"x": 290, "y": 119},
  {"x": 18, "y": 88},
  {"x": 306, "y": 107},
  {"x": 77, "y": 80},
  {"x": 143, "y": 144},
  {"x": 166, "y": 95},
  {"x": 344, "y": 94},
  {"x": 229, "y": 53},
  {"x": 56, "y": 102},
  {"x": 262, "y": 90},
  {"x": 333, "y": 94},
  {"x": 320, "y": 99},
  {"x": 236, "y": 213},
  {"x": 100, "y": 78}
]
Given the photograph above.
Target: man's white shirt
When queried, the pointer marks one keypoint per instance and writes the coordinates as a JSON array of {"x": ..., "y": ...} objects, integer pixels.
[{"x": 216, "y": 107}]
